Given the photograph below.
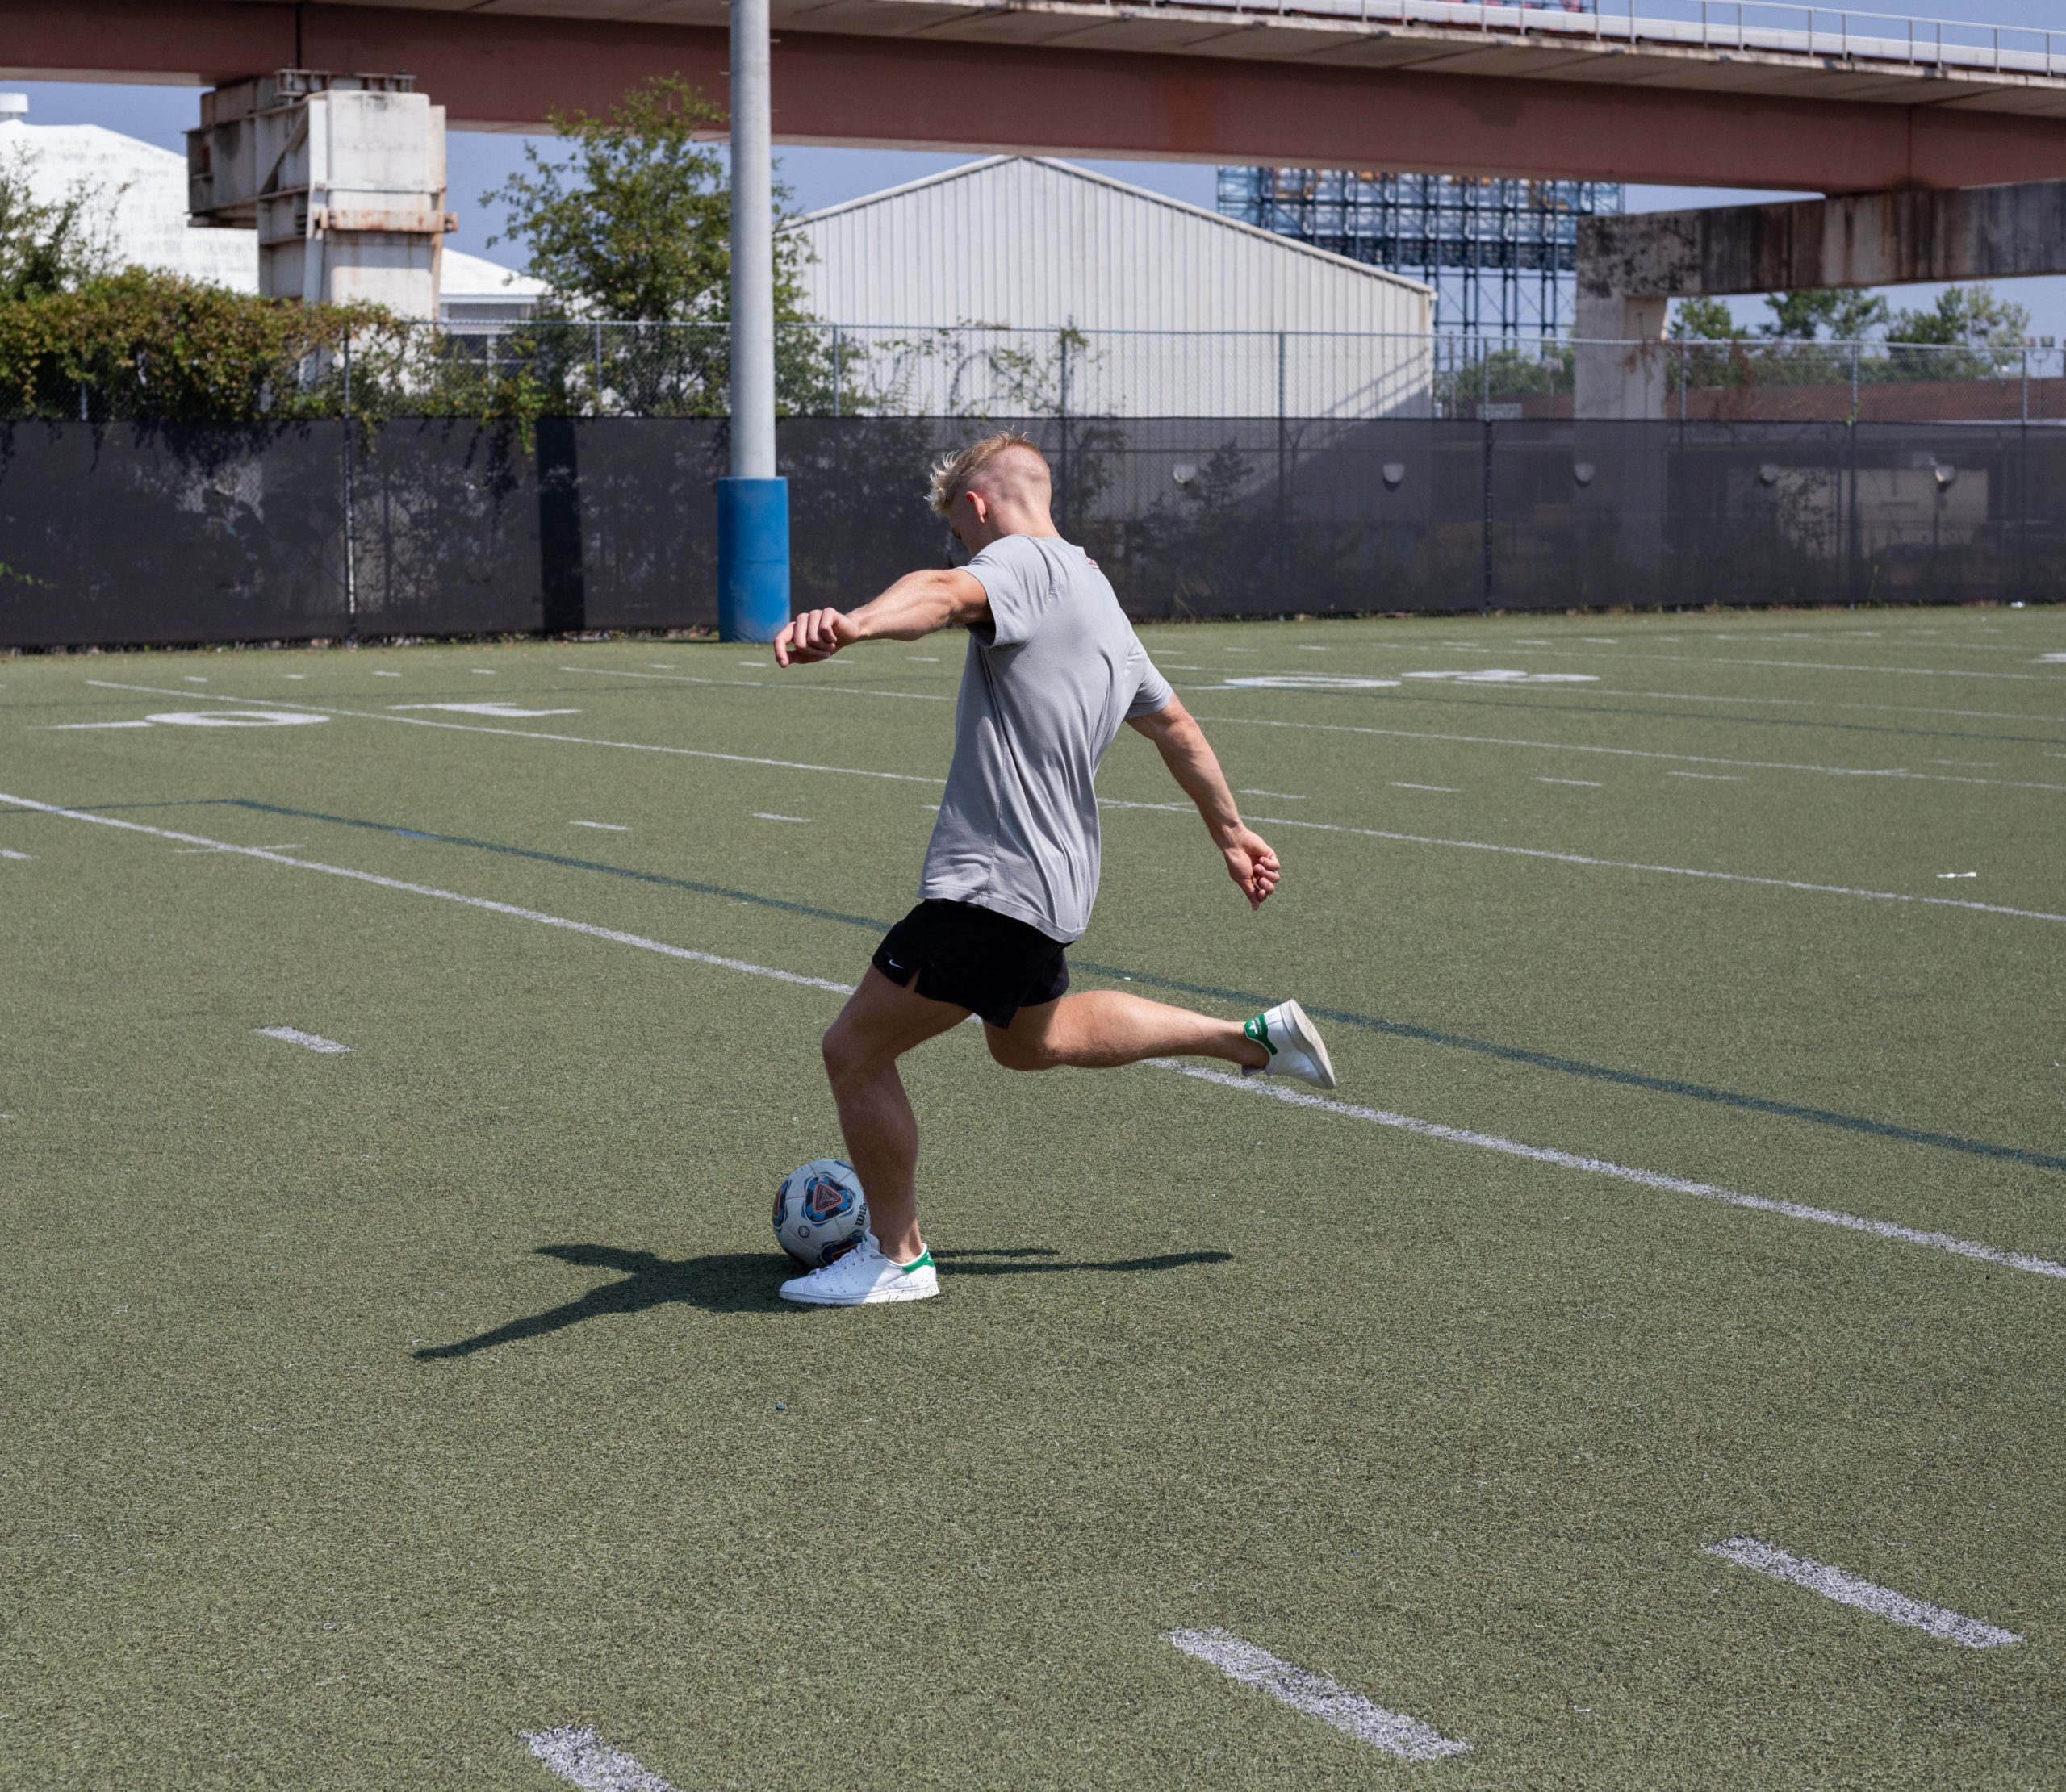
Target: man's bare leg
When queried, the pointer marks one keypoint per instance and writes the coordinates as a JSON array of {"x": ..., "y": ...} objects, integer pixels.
[
  {"x": 1102, "y": 1028},
  {"x": 880, "y": 1023}
]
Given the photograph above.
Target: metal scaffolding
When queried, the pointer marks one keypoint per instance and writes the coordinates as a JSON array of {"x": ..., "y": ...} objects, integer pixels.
[{"x": 1500, "y": 254}]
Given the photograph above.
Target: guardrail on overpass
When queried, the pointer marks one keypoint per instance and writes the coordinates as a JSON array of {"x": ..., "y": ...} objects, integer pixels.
[{"x": 1765, "y": 26}]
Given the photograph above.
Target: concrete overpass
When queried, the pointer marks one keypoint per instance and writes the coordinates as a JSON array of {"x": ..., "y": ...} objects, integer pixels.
[{"x": 1773, "y": 96}]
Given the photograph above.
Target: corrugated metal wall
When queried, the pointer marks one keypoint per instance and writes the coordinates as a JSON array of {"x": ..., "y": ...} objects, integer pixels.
[{"x": 1036, "y": 245}]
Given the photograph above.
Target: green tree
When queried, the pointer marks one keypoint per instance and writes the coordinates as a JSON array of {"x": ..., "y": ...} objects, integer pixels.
[
  {"x": 1965, "y": 317},
  {"x": 635, "y": 224},
  {"x": 48, "y": 246},
  {"x": 1704, "y": 320},
  {"x": 1840, "y": 316}
]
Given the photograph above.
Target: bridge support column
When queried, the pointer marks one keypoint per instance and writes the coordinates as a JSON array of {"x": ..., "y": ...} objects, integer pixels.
[
  {"x": 343, "y": 177},
  {"x": 1630, "y": 268}
]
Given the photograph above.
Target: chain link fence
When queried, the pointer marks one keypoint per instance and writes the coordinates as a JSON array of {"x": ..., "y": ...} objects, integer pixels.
[{"x": 979, "y": 371}]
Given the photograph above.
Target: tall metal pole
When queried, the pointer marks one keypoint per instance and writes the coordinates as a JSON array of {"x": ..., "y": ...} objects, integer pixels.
[{"x": 753, "y": 504}]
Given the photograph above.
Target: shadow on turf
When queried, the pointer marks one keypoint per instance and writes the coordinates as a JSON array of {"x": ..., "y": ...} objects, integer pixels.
[{"x": 745, "y": 1282}]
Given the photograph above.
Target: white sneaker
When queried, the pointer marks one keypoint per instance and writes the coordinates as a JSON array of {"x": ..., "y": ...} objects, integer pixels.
[
  {"x": 1294, "y": 1045},
  {"x": 864, "y": 1276}
]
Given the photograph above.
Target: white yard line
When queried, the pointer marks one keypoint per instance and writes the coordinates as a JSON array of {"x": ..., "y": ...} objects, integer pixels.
[
  {"x": 761, "y": 815},
  {"x": 1316, "y": 1696},
  {"x": 616, "y": 936},
  {"x": 1445, "y": 790},
  {"x": 1826, "y": 702},
  {"x": 1580, "y": 784},
  {"x": 536, "y": 734},
  {"x": 1900, "y": 773},
  {"x": 1633, "y": 865},
  {"x": 760, "y": 684},
  {"x": 1807, "y": 665},
  {"x": 294, "y": 1036},
  {"x": 9, "y": 852},
  {"x": 1621, "y": 1172},
  {"x": 1427, "y": 1128},
  {"x": 604, "y": 827},
  {"x": 582, "y": 1758},
  {"x": 1847, "y": 1589},
  {"x": 1708, "y": 777}
]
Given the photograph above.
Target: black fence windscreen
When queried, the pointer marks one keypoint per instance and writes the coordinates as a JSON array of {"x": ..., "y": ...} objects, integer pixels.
[{"x": 122, "y": 533}]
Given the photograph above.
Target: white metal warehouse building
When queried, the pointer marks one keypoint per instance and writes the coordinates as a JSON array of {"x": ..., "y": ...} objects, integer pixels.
[{"x": 1101, "y": 299}]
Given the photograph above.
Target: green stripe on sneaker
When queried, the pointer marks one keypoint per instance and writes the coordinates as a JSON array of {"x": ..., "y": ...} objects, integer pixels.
[
  {"x": 1258, "y": 1030},
  {"x": 924, "y": 1260}
]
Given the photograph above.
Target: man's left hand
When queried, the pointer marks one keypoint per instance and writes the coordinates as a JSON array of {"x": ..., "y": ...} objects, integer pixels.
[{"x": 1252, "y": 864}]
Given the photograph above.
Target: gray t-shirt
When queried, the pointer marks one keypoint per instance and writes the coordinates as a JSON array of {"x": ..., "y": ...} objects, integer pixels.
[{"x": 1045, "y": 689}]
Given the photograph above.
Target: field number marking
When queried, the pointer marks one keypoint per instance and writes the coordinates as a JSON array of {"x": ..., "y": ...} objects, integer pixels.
[
  {"x": 210, "y": 718},
  {"x": 294, "y": 1036},
  {"x": 582, "y": 1758},
  {"x": 1316, "y": 1695},
  {"x": 1623, "y": 1172},
  {"x": 312, "y": 714},
  {"x": 508, "y": 712},
  {"x": 1847, "y": 1589}
]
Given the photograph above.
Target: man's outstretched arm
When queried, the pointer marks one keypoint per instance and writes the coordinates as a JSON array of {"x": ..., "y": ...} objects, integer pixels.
[
  {"x": 916, "y": 605},
  {"x": 1194, "y": 766}
]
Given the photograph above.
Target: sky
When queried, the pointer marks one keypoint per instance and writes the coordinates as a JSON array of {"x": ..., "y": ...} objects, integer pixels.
[{"x": 480, "y": 162}]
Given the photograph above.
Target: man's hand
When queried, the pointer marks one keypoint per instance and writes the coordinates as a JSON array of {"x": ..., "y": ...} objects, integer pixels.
[
  {"x": 815, "y": 634},
  {"x": 1252, "y": 865}
]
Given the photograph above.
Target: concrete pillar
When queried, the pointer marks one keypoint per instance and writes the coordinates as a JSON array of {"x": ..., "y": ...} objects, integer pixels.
[
  {"x": 1620, "y": 354},
  {"x": 341, "y": 176}
]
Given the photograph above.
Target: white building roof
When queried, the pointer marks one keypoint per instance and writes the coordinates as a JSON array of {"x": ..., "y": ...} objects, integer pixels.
[
  {"x": 1036, "y": 243},
  {"x": 143, "y": 191}
]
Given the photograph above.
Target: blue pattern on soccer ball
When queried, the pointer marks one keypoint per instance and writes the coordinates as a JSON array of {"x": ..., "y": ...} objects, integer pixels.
[{"x": 825, "y": 1197}]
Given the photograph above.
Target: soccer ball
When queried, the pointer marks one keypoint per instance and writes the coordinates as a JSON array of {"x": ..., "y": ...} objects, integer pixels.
[{"x": 820, "y": 1212}]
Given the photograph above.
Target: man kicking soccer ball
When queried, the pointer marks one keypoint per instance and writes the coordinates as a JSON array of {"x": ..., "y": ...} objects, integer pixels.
[{"x": 1054, "y": 667}]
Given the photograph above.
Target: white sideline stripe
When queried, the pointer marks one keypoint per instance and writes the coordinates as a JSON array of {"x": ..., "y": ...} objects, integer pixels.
[
  {"x": 1315, "y": 1695},
  {"x": 1901, "y": 772},
  {"x": 9, "y": 852},
  {"x": 1631, "y": 865},
  {"x": 1579, "y": 784},
  {"x": 2040, "y": 1265},
  {"x": 605, "y": 827},
  {"x": 1445, "y": 790},
  {"x": 1809, "y": 664},
  {"x": 294, "y": 1036},
  {"x": 616, "y": 936},
  {"x": 533, "y": 734},
  {"x": 1707, "y": 777},
  {"x": 1623, "y": 1172},
  {"x": 1826, "y": 702},
  {"x": 1847, "y": 1589},
  {"x": 759, "y": 684},
  {"x": 582, "y": 1758},
  {"x": 62, "y": 728},
  {"x": 762, "y": 815}
]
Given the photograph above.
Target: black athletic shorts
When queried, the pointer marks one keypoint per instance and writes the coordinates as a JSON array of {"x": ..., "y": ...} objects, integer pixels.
[{"x": 974, "y": 958}]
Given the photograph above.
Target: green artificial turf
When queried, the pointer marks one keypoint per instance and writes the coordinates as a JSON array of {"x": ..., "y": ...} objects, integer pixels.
[{"x": 367, "y": 1410}]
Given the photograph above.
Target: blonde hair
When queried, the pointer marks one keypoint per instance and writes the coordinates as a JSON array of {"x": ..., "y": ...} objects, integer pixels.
[{"x": 956, "y": 473}]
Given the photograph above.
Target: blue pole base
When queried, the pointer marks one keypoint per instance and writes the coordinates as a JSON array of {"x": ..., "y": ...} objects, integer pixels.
[{"x": 753, "y": 558}]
